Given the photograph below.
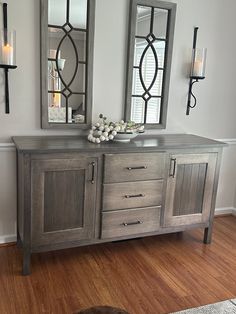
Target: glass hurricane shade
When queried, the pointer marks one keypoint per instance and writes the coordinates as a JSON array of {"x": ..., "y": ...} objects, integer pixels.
[
  {"x": 8, "y": 47},
  {"x": 198, "y": 65},
  {"x": 53, "y": 67}
]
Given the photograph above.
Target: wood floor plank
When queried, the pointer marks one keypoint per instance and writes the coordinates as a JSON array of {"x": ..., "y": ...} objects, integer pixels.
[{"x": 153, "y": 275}]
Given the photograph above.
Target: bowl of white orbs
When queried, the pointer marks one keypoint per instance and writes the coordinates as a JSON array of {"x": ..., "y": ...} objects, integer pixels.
[
  {"x": 124, "y": 137},
  {"x": 127, "y": 131},
  {"x": 104, "y": 131}
]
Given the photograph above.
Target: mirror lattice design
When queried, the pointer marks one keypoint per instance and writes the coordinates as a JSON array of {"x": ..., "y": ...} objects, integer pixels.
[
  {"x": 149, "y": 64},
  {"x": 67, "y": 70},
  {"x": 150, "y": 46}
]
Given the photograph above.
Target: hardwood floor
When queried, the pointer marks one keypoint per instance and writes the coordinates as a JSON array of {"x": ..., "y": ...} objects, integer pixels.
[{"x": 153, "y": 275}]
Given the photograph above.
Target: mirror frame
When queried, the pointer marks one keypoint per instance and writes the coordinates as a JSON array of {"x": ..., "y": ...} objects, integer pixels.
[
  {"x": 171, "y": 7},
  {"x": 45, "y": 124}
]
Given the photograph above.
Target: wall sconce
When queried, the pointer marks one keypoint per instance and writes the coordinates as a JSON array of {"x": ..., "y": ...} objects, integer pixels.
[
  {"x": 55, "y": 65},
  {"x": 52, "y": 66},
  {"x": 197, "y": 72},
  {"x": 7, "y": 53}
]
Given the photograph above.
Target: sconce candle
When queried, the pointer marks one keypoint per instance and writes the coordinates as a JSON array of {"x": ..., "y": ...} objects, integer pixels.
[
  {"x": 197, "y": 69},
  {"x": 7, "y": 53},
  {"x": 198, "y": 63}
]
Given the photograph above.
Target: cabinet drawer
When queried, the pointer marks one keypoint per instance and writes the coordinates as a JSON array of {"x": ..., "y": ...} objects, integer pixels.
[
  {"x": 132, "y": 194},
  {"x": 129, "y": 222},
  {"x": 134, "y": 167}
]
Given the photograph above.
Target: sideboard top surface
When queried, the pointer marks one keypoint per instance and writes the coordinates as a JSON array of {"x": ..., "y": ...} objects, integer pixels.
[{"x": 46, "y": 144}]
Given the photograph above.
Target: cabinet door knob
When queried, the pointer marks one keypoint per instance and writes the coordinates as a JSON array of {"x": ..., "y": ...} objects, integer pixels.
[
  {"x": 172, "y": 166},
  {"x": 126, "y": 224},
  {"x": 93, "y": 172}
]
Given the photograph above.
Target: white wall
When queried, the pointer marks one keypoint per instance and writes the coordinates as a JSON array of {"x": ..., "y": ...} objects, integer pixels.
[
  {"x": 7, "y": 194},
  {"x": 235, "y": 200},
  {"x": 214, "y": 117},
  {"x": 227, "y": 182}
]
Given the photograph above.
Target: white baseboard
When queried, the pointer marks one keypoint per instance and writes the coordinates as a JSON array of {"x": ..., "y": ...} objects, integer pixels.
[
  {"x": 7, "y": 238},
  {"x": 225, "y": 211}
]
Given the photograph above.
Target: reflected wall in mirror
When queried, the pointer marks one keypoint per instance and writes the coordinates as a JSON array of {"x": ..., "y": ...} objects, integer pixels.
[
  {"x": 67, "y": 35},
  {"x": 151, "y": 33}
]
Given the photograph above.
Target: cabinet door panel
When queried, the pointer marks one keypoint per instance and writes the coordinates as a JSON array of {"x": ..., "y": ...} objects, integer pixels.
[
  {"x": 189, "y": 189},
  {"x": 190, "y": 183},
  {"x": 63, "y": 200}
]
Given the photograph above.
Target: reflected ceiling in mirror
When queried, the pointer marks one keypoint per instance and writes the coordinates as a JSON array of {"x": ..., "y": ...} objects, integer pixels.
[{"x": 57, "y": 13}]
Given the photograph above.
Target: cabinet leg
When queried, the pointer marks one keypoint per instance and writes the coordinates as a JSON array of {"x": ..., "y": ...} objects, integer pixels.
[
  {"x": 208, "y": 235},
  {"x": 26, "y": 262},
  {"x": 18, "y": 243},
  {"x": 180, "y": 234}
]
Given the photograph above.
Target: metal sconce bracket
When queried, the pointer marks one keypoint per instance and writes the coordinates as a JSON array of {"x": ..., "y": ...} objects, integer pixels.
[
  {"x": 6, "y": 67},
  {"x": 190, "y": 94},
  {"x": 193, "y": 78}
]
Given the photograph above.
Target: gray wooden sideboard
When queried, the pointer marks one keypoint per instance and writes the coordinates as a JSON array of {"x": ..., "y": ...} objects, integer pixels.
[{"x": 73, "y": 193}]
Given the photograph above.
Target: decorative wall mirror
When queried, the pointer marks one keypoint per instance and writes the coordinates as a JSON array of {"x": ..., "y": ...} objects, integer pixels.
[
  {"x": 151, "y": 34},
  {"x": 67, "y": 36}
]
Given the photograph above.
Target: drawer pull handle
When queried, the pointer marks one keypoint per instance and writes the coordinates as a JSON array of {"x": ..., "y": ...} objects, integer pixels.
[
  {"x": 173, "y": 160},
  {"x": 93, "y": 172},
  {"x": 126, "y": 224},
  {"x": 137, "y": 168},
  {"x": 134, "y": 196}
]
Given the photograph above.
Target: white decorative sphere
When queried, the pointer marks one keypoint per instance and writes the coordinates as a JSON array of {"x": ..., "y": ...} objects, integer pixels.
[
  {"x": 117, "y": 128},
  {"x": 122, "y": 122},
  {"x": 98, "y": 141},
  {"x": 101, "y": 127},
  {"x": 91, "y": 131},
  {"x": 114, "y": 133},
  {"x": 102, "y": 138},
  {"x": 111, "y": 137},
  {"x": 105, "y": 134},
  {"x": 99, "y": 133},
  {"x": 97, "y": 125},
  {"x": 111, "y": 127},
  {"x": 107, "y": 139},
  {"x": 107, "y": 130},
  {"x": 94, "y": 140}
]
